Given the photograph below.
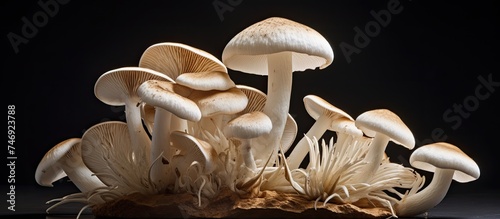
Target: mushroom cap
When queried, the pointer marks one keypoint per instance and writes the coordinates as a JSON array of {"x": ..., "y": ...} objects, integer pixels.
[
  {"x": 317, "y": 106},
  {"x": 162, "y": 94},
  {"x": 107, "y": 151},
  {"x": 173, "y": 59},
  {"x": 256, "y": 98},
  {"x": 48, "y": 169},
  {"x": 386, "y": 122},
  {"x": 216, "y": 102},
  {"x": 445, "y": 156},
  {"x": 248, "y": 50},
  {"x": 208, "y": 80},
  {"x": 115, "y": 86},
  {"x": 195, "y": 149},
  {"x": 248, "y": 125}
]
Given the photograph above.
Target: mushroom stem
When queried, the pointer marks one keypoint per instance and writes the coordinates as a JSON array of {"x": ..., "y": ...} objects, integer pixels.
[
  {"x": 279, "y": 88},
  {"x": 246, "y": 153},
  {"x": 373, "y": 157},
  {"x": 427, "y": 198},
  {"x": 138, "y": 136},
  {"x": 160, "y": 145},
  {"x": 302, "y": 148},
  {"x": 178, "y": 124}
]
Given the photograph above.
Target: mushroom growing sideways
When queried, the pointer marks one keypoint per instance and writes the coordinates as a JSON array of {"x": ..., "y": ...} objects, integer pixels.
[
  {"x": 277, "y": 47},
  {"x": 64, "y": 159},
  {"x": 448, "y": 163}
]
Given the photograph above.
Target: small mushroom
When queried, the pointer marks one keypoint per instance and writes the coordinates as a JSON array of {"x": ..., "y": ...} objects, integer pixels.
[
  {"x": 245, "y": 127},
  {"x": 64, "y": 159},
  {"x": 384, "y": 126},
  {"x": 192, "y": 149},
  {"x": 277, "y": 47},
  {"x": 448, "y": 163},
  {"x": 327, "y": 117},
  {"x": 118, "y": 87}
]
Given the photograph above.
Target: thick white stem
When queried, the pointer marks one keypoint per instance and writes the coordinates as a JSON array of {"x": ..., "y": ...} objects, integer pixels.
[
  {"x": 427, "y": 198},
  {"x": 160, "y": 145},
  {"x": 178, "y": 124},
  {"x": 302, "y": 148},
  {"x": 140, "y": 140},
  {"x": 246, "y": 153},
  {"x": 279, "y": 88},
  {"x": 373, "y": 157}
]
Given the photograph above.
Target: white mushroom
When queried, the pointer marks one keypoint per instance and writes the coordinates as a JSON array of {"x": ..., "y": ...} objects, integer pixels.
[
  {"x": 277, "y": 47},
  {"x": 245, "y": 127},
  {"x": 64, "y": 159},
  {"x": 118, "y": 87},
  {"x": 448, "y": 163},
  {"x": 161, "y": 95},
  {"x": 327, "y": 117},
  {"x": 174, "y": 59},
  {"x": 384, "y": 126},
  {"x": 214, "y": 103},
  {"x": 192, "y": 149}
]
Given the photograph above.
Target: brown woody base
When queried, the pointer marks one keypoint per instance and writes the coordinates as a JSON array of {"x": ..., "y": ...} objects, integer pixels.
[{"x": 227, "y": 204}]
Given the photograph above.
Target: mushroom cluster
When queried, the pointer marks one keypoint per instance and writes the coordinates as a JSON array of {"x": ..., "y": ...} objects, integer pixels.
[{"x": 190, "y": 130}]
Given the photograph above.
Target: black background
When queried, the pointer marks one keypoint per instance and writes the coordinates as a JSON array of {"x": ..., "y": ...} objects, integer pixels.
[{"x": 427, "y": 59}]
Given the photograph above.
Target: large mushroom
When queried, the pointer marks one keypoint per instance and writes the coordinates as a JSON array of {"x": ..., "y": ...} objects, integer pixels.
[
  {"x": 384, "y": 126},
  {"x": 277, "y": 47},
  {"x": 448, "y": 163}
]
